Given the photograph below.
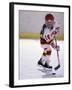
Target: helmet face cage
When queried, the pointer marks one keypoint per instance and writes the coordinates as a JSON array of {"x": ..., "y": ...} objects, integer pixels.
[{"x": 49, "y": 20}]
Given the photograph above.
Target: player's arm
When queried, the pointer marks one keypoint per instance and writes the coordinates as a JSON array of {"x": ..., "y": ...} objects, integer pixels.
[
  {"x": 49, "y": 39},
  {"x": 42, "y": 39},
  {"x": 53, "y": 44},
  {"x": 55, "y": 32},
  {"x": 42, "y": 31}
]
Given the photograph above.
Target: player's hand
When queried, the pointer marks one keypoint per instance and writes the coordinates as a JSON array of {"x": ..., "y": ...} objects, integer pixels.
[
  {"x": 57, "y": 48},
  {"x": 57, "y": 28}
]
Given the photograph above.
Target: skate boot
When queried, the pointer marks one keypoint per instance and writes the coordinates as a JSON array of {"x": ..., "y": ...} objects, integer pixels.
[
  {"x": 40, "y": 62},
  {"x": 47, "y": 66}
]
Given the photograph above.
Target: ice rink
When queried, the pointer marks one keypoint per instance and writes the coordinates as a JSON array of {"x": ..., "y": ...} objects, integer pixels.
[{"x": 30, "y": 52}]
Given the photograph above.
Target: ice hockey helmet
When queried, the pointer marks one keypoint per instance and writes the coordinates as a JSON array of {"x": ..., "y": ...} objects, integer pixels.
[{"x": 49, "y": 17}]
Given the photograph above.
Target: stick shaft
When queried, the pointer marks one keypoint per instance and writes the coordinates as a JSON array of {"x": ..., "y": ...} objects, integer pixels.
[
  {"x": 57, "y": 52},
  {"x": 58, "y": 57}
]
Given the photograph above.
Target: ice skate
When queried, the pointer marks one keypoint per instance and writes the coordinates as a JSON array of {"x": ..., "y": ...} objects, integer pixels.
[
  {"x": 40, "y": 62},
  {"x": 47, "y": 66}
]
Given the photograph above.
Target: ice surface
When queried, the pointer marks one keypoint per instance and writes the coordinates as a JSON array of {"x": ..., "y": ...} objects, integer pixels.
[{"x": 30, "y": 53}]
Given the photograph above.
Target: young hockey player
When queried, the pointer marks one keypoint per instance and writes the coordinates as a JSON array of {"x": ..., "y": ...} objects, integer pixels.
[{"x": 47, "y": 37}]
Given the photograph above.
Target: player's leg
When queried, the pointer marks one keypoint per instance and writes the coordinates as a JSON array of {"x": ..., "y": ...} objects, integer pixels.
[
  {"x": 48, "y": 55},
  {"x": 43, "y": 58}
]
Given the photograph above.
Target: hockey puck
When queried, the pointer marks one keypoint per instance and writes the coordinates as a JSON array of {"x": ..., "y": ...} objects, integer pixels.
[{"x": 53, "y": 73}]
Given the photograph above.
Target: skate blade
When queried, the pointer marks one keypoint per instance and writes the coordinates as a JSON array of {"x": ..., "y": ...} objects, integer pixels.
[{"x": 47, "y": 69}]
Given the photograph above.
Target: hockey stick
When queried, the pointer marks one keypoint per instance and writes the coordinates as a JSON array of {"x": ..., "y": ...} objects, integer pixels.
[{"x": 58, "y": 66}]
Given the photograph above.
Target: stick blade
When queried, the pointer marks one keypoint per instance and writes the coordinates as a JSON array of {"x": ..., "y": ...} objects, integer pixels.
[{"x": 57, "y": 67}]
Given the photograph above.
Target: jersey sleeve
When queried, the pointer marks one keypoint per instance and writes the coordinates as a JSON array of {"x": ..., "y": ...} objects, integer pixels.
[{"x": 42, "y": 30}]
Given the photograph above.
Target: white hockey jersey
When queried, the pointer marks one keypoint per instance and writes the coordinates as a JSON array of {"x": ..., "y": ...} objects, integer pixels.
[{"x": 48, "y": 34}]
